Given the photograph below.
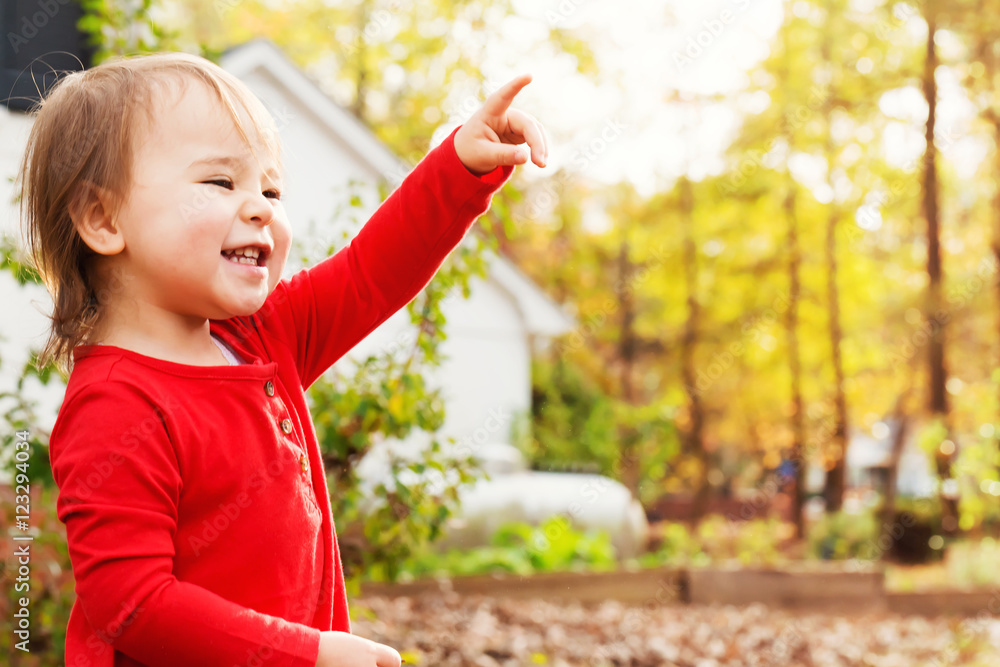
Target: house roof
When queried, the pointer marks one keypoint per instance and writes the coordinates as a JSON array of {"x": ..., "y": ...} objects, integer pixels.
[{"x": 541, "y": 315}]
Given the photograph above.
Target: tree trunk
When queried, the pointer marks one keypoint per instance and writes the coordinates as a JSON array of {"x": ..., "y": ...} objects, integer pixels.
[
  {"x": 901, "y": 426},
  {"x": 795, "y": 363},
  {"x": 628, "y": 463},
  {"x": 985, "y": 53},
  {"x": 694, "y": 438},
  {"x": 359, "y": 108},
  {"x": 833, "y": 491},
  {"x": 938, "y": 396},
  {"x": 996, "y": 254},
  {"x": 834, "y": 487},
  {"x": 936, "y": 351}
]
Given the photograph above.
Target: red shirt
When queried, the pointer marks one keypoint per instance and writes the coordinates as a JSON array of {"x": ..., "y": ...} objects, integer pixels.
[{"x": 194, "y": 497}]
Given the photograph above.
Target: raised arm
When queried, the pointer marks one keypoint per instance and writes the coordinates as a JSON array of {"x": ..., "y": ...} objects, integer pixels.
[{"x": 328, "y": 309}]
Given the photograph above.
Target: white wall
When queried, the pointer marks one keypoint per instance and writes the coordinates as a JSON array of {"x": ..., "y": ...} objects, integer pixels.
[
  {"x": 488, "y": 371},
  {"x": 485, "y": 377},
  {"x": 319, "y": 167},
  {"x": 23, "y": 324}
]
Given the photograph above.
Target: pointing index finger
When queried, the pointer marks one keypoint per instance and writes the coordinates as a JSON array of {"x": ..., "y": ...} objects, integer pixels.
[{"x": 497, "y": 103}]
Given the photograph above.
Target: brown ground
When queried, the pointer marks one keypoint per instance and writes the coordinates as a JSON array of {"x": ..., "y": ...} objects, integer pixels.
[{"x": 442, "y": 629}]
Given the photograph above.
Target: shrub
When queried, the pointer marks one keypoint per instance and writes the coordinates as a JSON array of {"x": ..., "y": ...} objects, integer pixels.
[
  {"x": 842, "y": 536},
  {"x": 521, "y": 548},
  {"x": 717, "y": 540}
]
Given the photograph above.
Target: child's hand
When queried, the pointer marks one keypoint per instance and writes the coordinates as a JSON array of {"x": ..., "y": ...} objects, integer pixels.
[
  {"x": 489, "y": 139},
  {"x": 342, "y": 649}
]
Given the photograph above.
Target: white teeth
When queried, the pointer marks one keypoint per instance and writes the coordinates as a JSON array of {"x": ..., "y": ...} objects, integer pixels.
[
  {"x": 242, "y": 260},
  {"x": 246, "y": 255},
  {"x": 248, "y": 251}
]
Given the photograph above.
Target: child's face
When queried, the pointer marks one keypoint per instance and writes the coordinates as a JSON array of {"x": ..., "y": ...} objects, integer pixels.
[{"x": 186, "y": 209}]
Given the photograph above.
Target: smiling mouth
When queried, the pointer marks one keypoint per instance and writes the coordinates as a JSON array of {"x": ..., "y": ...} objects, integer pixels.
[{"x": 249, "y": 255}]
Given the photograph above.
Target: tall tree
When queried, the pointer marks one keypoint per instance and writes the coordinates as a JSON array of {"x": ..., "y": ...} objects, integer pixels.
[
  {"x": 837, "y": 452},
  {"x": 938, "y": 397},
  {"x": 629, "y": 465},
  {"x": 694, "y": 436},
  {"x": 982, "y": 77},
  {"x": 797, "y": 411},
  {"x": 360, "y": 63},
  {"x": 793, "y": 254},
  {"x": 937, "y": 366}
]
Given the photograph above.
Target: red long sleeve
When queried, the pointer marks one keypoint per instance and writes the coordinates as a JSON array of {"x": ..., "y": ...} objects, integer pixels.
[
  {"x": 120, "y": 492},
  {"x": 387, "y": 263},
  {"x": 195, "y": 503}
]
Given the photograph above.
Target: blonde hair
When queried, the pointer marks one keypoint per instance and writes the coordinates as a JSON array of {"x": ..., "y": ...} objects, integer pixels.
[{"x": 83, "y": 137}]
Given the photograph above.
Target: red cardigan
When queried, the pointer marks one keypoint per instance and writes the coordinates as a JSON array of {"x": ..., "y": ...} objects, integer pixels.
[{"x": 194, "y": 497}]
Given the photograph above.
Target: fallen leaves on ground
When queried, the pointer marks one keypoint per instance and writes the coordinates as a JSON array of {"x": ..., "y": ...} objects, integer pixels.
[{"x": 447, "y": 629}]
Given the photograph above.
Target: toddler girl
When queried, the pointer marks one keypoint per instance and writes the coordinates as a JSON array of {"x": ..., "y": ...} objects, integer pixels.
[{"x": 190, "y": 478}]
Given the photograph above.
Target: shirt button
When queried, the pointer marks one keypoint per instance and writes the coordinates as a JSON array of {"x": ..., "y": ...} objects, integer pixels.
[
  {"x": 269, "y": 388},
  {"x": 304, "y": 462},
  {"x": 286, "y": 425}
]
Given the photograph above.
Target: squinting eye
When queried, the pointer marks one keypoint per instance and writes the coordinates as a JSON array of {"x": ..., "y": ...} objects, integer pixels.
[
  {"x": 227, "y": 184},
  {"x": 272, "y": 194}
]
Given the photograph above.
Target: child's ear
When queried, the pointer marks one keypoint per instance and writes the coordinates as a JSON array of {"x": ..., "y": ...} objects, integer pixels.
[{"x": 91, "y": 213}]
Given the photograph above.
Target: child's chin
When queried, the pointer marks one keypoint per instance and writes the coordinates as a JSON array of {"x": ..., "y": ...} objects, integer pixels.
[{"x": 246, "y": 309}]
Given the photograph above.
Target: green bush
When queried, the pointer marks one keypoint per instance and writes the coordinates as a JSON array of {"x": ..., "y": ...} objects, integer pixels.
[
  {"x": 842, "y": 536},
  {"x": 718, "y": 540},
  {"x": 520, "y": 548},
  {"x": 675, "y": 546},
  {"x": 574, "y": 424},
  {"x": 750, "y": 542},
  {"x": 865, "y": 536},
  {"x": 556, "y": 545}
]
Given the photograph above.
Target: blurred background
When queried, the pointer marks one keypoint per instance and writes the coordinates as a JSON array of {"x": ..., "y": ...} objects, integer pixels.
[{"x": 745, "y": 321}]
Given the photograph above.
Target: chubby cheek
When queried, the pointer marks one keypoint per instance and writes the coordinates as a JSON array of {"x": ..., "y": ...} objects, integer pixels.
[
  {"x": 282, "y": 237},
  {"x": 275, "y": 265}
]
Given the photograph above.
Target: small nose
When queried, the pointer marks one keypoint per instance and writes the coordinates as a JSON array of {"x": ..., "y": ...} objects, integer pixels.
[{"x": 258, "y": 209}]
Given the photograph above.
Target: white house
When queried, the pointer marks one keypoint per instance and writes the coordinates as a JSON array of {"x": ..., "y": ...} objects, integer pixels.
[
  {"x": 869, "y": 455},
  {"x": 485, "y": 378}
]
